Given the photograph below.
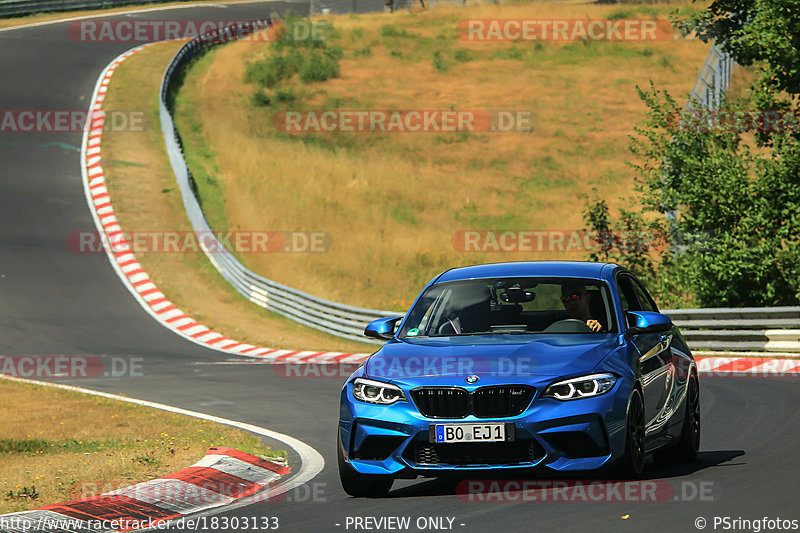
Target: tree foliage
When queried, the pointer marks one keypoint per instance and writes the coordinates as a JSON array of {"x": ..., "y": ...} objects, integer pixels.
[{"x": 725, "y": 195}]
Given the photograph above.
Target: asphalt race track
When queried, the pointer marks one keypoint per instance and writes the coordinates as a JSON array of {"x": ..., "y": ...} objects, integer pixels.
[{"x": 54, "y": 301}]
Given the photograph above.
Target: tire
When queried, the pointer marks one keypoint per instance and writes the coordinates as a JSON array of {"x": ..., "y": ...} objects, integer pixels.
[
  {"x": 687, "y": 448},
  {"x": 361, "y": 485},
  {"x": 632, "y": 464},
  {"x": 689, "y": 445}
]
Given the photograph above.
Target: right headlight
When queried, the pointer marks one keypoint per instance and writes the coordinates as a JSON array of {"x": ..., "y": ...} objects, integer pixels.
[
  {"x": 581, "y": 387},
  {"x": 371, "y": 391}
]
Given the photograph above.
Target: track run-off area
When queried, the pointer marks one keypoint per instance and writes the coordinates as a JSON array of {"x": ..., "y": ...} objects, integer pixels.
[{"x": 56, "y": 302}]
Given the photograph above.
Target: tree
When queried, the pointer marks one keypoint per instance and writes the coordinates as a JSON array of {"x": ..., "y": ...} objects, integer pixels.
[{"x": 732, "y": 190}]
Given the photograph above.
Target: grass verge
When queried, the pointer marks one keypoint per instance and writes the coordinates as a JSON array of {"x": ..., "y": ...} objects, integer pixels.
[
  {"x": 59, "y": 445},
  {"x": 146, "y": 198},
  {"x": 392, "y": 203}
]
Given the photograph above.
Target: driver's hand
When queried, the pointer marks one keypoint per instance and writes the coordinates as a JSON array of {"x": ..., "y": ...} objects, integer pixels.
[{"x": 594, "y": 325}]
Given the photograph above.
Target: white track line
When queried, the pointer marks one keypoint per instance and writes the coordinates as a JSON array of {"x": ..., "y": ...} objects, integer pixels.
[
  {"x": 311, "y": 461},
  {"x": 145, "y": 10}
]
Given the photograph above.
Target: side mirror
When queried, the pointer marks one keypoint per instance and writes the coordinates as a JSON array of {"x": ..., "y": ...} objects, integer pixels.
[
  {"x": 383, "y": 328},
  {"x": 647, "y": 322}
]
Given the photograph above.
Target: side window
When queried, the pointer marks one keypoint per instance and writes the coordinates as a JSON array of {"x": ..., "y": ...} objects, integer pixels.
[
  {"x": 627, "y": 294},
  {"x": 645, "y": 300}
]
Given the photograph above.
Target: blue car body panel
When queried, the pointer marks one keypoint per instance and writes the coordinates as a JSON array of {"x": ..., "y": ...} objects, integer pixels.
[{"x": 583, "y": 434}]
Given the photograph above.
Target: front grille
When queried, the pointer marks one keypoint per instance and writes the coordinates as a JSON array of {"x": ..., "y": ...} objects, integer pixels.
[
  {"x": 465, "y": 454},
  {"x": 494, "y": 401},
  {"x": 442, "y": 402},
  {"x": 501, "y": 400}
]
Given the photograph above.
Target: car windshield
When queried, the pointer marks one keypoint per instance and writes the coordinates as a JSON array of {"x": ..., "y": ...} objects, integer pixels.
[{"x": 521, "y": 305}]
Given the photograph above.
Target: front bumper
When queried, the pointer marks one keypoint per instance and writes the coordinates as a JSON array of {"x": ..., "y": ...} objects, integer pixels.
[{"x": 583, "y": 434}]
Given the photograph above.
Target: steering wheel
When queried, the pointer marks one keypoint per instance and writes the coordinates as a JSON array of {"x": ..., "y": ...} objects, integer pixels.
[
  {"x": 568, "y": 325},
  {"x": 449, "y": 328}
]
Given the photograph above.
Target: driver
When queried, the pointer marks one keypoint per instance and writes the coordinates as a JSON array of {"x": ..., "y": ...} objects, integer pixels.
[{"x": 576, "y": 302}]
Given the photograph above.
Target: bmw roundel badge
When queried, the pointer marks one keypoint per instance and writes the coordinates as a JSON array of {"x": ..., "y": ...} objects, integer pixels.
[{"x": 472, "y": 379}]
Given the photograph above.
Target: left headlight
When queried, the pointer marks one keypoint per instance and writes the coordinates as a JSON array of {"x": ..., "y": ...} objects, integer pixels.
[
  {"x": 371, "y": 391},
  {"x": 582, "y": 387}
]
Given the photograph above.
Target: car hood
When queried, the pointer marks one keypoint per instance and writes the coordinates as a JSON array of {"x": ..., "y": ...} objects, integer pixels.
[{"x": 495, "y": 356}]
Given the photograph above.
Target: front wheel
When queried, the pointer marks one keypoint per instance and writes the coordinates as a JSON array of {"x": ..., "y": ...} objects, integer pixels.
[
  {"x": 361, "y": 485},
  {"x": 633, "y": 460}
]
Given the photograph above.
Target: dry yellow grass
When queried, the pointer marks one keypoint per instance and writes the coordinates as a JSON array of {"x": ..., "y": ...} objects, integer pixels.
[
  {"x": 392, "y": 202},
  {"x": 146, "y": 198},
  {"x": 66, "y": 445}
]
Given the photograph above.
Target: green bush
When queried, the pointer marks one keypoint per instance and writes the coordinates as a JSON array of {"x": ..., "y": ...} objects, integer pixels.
[
  {"x": 508, "y": 53},
  {"x": 318, "y": 67},
  {"x": 622, "y": 13},
  {"x": 438, "y": 62},
  {"x": 300, "y": 33},
  {"x": 463, "y": 55},
  {"x": 333, "y": 52},
  {"x": 286, "y": 96},
  {"x": 260, "y": 99},
  {"x": 268, "y": 72},
  {"x": 389, "y": 30},
  {"x": 311, "y": 60}
]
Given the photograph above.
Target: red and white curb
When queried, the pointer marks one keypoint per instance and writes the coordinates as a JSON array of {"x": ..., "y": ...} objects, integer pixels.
[
  {"x": 223, "y": 476},
  {"x": 130, "y": 271},
  {"x": 238, "y": 478}
]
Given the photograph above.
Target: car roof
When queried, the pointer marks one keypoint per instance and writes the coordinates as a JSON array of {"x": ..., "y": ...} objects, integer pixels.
[{"x": 571, "y": 269}]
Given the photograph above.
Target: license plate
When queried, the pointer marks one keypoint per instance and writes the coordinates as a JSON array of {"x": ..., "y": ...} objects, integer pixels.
[{"x": 448, "y": 433}]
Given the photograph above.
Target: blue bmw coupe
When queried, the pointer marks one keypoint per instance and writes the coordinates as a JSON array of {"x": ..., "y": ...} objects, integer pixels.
[{"x": 565, "y": 366}]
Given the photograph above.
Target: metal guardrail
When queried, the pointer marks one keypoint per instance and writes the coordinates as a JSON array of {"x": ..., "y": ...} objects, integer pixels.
[
  {"x": 761, "y": 328},
  {"x": 331, "y": 317},
  {"x": 772, "y": 329}
]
